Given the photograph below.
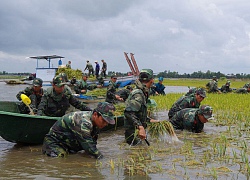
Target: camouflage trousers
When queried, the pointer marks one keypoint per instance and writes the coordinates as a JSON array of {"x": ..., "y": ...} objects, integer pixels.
[{"x": 55, "y": 148}]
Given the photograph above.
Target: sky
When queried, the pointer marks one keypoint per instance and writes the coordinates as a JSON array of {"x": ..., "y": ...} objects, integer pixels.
[{"x": 184, "y": 36}]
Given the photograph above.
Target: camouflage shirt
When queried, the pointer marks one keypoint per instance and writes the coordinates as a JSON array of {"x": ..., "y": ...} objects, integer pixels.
[
  {"x": 111, "y": 90},
  {"x": 74, "y": 132},
  {"x": 182, "y": 103},
  {"x": 88, "y": 66},
  {"x": 34, "y": 97},
  {"x": 53, "y": 104},
  {"x": 187, "y": 119},
  {"x": 81, "y": 85},
  {"x": 225, "y": 89},
  {"x": 212, "y": 86},
  {"x": 136, "y": 106},
  {"x": 123, "y": 93},
  {"x": 242, "y": 91}
]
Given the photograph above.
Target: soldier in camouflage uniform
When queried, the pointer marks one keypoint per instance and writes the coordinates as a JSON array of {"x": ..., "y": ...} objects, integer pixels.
[
  {"x": 246, "y": 85},
  {"x": 82, "y": 86},
  {"x": 90, "y": 68},
  {"x": 243, "y": 90},
  {"x": 192, "y": 119},
  {"x": 226, "y": 87},
  {"x": 124, "y": 93},
  {"x": 191, "y": 101},
  {"x": 213, "y": 86},
  {"x": 78, "y": 131},
  {"x": 111, "y": 95},
  {"x": 58, "y": 99},
  {"x": 136, "y": 108},
  {"x": 34, "y": 93}
]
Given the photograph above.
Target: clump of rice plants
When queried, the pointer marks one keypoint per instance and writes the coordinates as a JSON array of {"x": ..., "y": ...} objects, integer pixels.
[{"x": 161, "y": 130}]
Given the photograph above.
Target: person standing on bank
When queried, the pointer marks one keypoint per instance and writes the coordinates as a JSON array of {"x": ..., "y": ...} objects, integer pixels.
[
  {"x": 136, "y": 108},
  {"x": 68, "y": 65},
  {"x": 97, "y": 69},
  {"x": 111, "y": 95},
  {"x": 78, "y": 131},
  {"x": 104, "y": 68},
  {"x": 57, "y": 99},
  {"x": 35, "y": 94},
  {"x": 192, "y": 119},
  {"x": 90, "y": 68}
]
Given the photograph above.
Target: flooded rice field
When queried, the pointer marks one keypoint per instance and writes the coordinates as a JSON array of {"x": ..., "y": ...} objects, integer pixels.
[{"x": 195, "y": 156}]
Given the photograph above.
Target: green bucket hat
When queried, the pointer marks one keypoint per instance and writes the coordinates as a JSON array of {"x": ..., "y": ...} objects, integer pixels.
[
  {"x": 37, "y": 82},
  {"x": 206, "y": 111},
  {"x": 58, "y": 81},
  {"x": 146, "y": 75},
  {"x": 106, "y": 110}
]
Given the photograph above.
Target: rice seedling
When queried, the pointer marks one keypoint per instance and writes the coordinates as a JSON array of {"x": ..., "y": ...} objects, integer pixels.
[{"x": 160, "y": 130}]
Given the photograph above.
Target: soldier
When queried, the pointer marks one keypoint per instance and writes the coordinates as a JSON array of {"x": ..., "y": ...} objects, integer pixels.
[
  {"x": 104, "y": 68},
  {"x": 124, "y": 93},
  {"x": 34, "y": 93},
  {"x": 90, "y": 68},
  {"x": 213, "y": 85},
  {"x": 192, "y": 119},
  {"x": 58, "y": 99},
  {"x": 73, "y": 81},
  {"x": 243, "y": 90},
  {"x": 68, "y": 65},
  {"x": 192, "y": 101},
  {"x": 136, "y": 108},
  {"x": 111, "y": 95},
  {"x": 82, "y": 86},
  {"x": 159, "y": 87},
  {"x": 78, "y": 131},
  {"x": 226, "y": 87}
]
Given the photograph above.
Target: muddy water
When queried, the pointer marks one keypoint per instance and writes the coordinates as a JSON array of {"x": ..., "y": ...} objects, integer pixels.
[{"x": 165, "y": 162}]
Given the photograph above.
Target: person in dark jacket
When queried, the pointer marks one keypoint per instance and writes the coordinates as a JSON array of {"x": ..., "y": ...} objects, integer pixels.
[
  {"x": 111, "y": 95},
  {"x": 78, "y": 131},
  {"x": 58, "y": 99}
]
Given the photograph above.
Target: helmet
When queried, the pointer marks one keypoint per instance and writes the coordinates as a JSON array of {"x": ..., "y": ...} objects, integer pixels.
[
  {"x": 206, "y": 111},
  {"x": 146, "y": 75}
]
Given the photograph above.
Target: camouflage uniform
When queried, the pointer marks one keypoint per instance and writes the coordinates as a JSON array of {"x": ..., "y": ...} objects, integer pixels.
[
  {"x": 188, "y": 119},
  {"x": 136, "y": 109},
  {"x": 90, "y": 68},
  {"x": 53, "y": 104},
  {"x": 226, "y": 87},
  {"x": 104, "y": 68},
  {"x": 35, "y": 97},
  {"x": 76, "y": 132},
  {"x": 124, "y": 93},
  {"x": 241, "y": 91},
  {"x": 111, "y": 90},
  {"x": 191, "y": 91},
  {"x": 212, "y": 86},
  {"x": 182, "y": 103}
]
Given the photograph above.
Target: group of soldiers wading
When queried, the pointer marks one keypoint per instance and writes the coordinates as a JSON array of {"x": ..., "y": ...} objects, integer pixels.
[{"x": 79, "y": 130}]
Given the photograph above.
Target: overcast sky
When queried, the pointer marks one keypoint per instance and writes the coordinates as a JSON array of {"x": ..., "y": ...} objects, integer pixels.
[{"x": 176, "y": 35}]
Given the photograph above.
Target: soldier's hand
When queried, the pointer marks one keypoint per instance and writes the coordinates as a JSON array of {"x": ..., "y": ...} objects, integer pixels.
[{"x": 142, "y": 132}]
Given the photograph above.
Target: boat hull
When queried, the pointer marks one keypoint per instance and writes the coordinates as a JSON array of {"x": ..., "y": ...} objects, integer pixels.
[{"x": 30, "y": 129}]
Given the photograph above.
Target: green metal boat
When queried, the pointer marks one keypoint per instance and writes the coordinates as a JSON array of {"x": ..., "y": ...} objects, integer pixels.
[{"x": 30, "y": 129}]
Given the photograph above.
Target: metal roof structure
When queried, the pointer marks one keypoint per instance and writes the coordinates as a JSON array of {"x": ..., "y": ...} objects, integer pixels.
[{"x": 46, "y": 57}]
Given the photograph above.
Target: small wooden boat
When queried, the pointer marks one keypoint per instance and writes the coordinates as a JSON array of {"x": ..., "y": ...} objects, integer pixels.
[{"x": 29, "y": 129}]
